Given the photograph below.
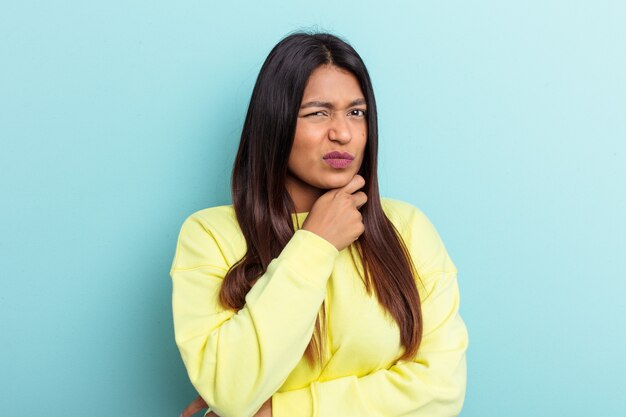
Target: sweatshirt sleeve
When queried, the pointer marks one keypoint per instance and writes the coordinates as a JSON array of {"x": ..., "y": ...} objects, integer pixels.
[
  {"x": 237, "y": 360},
  {"x": 433, "y": 383}
]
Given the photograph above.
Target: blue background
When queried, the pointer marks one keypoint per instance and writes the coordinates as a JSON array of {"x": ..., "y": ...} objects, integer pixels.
[{"x": 504, "y": 121}]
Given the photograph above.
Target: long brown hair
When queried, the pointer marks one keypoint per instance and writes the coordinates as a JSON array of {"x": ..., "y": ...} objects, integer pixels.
[{"x": 264, "y": 208}]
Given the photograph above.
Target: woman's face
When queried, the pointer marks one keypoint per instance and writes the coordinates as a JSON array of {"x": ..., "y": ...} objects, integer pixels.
[{"x": 331, "y": 118}]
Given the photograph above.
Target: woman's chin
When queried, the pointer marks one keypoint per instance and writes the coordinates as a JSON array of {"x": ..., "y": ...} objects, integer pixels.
[{"x": 337, "y": 180}]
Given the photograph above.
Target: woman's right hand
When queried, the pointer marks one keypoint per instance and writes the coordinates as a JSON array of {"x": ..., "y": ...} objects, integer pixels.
[
  {"x": 196, "y": 405},
  {"x": 335, "y": 214}
]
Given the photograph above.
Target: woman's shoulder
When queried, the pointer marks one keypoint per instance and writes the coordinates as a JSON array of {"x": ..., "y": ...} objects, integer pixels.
[
  {"x": 395, "y": 204},
  {"x": 209, "y": 236},
  {"x": 401, "y": 213},
  {"x": 421, "y": 236},
  {"x": 218, "y": 213},
  {"x": 218, "y": 222},
  {"x": 215, "y": 214}
]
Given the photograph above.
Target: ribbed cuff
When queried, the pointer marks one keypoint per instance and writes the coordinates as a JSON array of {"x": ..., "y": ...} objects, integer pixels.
[{"x": 296, "y": 403}]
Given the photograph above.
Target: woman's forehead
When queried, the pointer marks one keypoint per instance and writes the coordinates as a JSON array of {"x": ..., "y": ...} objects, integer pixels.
[{"x": 330, "y": 84}]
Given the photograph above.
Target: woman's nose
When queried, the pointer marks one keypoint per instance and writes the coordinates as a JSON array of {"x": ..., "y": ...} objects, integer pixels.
[{"x": 339, "y": 130}]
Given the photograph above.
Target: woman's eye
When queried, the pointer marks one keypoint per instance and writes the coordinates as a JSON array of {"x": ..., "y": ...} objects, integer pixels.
[
  {"x": 358, "y": 112},
  {"x": 317, "y": 113}
]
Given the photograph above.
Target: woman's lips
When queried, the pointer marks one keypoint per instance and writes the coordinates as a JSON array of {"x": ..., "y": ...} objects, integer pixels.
[
  {"x": 338, "y": 159},
  {"x": 338, "y": 162},
  {"x": 338, "y": 155}
]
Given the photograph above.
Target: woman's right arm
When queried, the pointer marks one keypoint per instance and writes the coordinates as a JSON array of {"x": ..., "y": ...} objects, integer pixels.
[{"x": 237, "y": 360}]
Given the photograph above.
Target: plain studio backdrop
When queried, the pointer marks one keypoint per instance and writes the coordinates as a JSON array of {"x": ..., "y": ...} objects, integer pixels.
[{"x": 504, "y": 121}]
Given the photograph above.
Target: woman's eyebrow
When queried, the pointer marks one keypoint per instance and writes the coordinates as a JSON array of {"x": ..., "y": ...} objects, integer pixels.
[{"x": 329, "y": 105}]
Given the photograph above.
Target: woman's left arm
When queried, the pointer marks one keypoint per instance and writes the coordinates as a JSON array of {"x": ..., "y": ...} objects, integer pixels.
[{"x": 433, "y": 383}]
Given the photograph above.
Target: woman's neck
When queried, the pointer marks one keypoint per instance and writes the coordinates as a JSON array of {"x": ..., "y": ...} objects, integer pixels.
[{"x": 303, "y": 195}]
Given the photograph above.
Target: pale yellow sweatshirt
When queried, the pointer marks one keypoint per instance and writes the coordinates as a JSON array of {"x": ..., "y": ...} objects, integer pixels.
[{"x": 238, "y": 360}]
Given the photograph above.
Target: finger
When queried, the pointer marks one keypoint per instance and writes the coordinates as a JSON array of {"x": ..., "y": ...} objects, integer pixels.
[
  {"x": 196, "y": 405},
  {"x": 359, "y": 199},
  {"x": 190, "y": 411},
  {"x": 355, "y": 183}
]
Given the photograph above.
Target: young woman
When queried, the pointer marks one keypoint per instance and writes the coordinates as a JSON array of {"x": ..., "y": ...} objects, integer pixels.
[{"x": 311, "y": 295}]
